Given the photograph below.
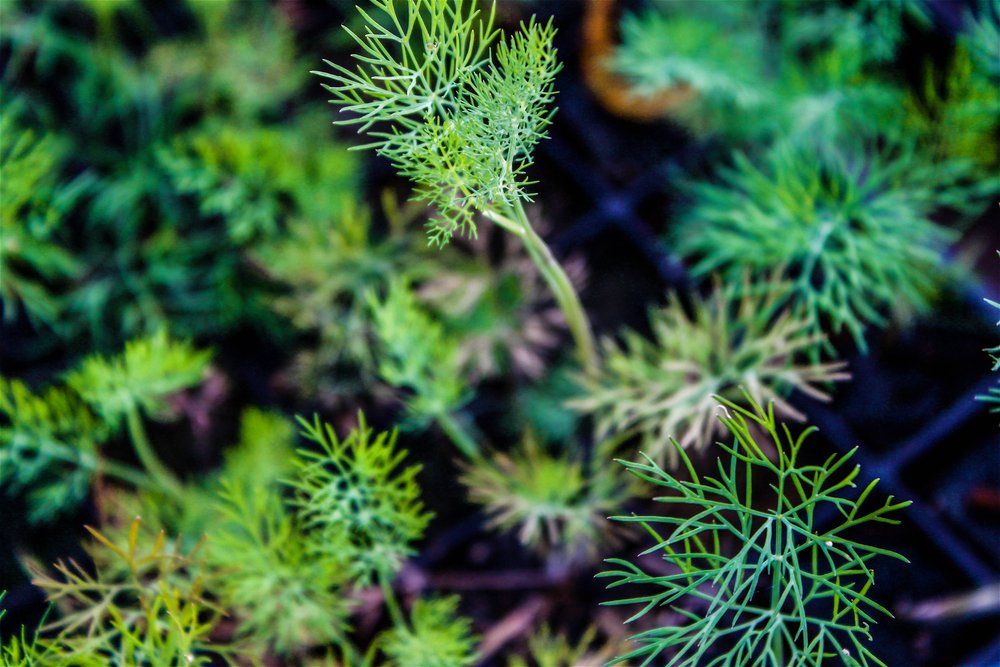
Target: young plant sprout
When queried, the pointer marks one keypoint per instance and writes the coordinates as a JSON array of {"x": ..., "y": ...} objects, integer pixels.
[
  {"x": 773, "y": 583},
  {"x": 138, "y": 381},
  {"x": 143, "y": 604},
  {"x": 665, "y": 388},
  {"x": 851, "y": 229},
  {"x": 459, "y": 119},
  {"x": 435, "y": 637},
  {"x": 50, "y": 443},
  {"x": 420, "y": 357},
  {"x": 548, "y": 500}
]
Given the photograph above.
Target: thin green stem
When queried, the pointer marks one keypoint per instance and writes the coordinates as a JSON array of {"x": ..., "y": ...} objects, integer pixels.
[
  {"x": 117, "y": 470},
  {"x": 144, "y": 451},
  {"x": 391, "y": 603},
  {"x": 562, "y": 289},
  {"x": 459, "y": 435}
]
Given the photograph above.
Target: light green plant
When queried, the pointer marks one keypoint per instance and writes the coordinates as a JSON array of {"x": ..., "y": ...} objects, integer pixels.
[
  {"x": 419, "y": 356},
  {"x": 459, "y": 119},
  {"x": 550, "y": 501},
  {"x": 353, "y": 495},
  {"x": 266, "y": 571},
  {"x": 731, "y": 342},
  {"x": 138, "y": 381},
  {"x": 851, "y": 230},
  {"x": 435, "y": 636},
  {"x": 774, "y": 586},
  {"x": 140, "y": 606}
]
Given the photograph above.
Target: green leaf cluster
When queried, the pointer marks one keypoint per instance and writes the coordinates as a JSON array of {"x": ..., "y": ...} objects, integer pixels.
[
  {"x": 363, "y": 507},
  {"x": 462, "y": 121},
  {"x": 745, "y": 542},
  {"x": 734, "y": 340},
  {"x": 851, "y": 229},
  {"x": 50, "y": 443}
]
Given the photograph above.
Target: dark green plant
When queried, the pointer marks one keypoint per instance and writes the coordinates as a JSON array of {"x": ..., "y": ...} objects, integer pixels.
[
  {"x": 851, "y": 230},
  {"x": 33, "y": 207},
  {"x": 773, "y": 586},
  {"x": 664, "y": 389},
  {"x": 50, "y": 448}
]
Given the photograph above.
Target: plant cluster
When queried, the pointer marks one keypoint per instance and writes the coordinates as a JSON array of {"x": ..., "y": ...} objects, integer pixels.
[{"x": 198, "y": 193}]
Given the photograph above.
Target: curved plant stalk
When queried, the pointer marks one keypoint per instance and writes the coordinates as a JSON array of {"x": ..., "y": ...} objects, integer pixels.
[{"x": 157, "y": 471}]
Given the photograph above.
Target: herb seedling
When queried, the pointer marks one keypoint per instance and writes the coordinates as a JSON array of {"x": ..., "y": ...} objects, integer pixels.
[
  {"x": 459, "y": 120},
  {"x": 851, "y": 230},
  {"x": 665, "y": 388},
  {"x": 778, "y": 587}
]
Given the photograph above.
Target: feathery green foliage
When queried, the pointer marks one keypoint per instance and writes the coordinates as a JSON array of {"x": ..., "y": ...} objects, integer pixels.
[
  {"x": 283, "y": 594},
  {"x": 140, "y": 606},
  {"x": 435, "y": 637},
  {"x": 48, "y": 446},
  {"x": 148, "y": 371},
  {"x": 786, "y": 590},
  {"x": 851, "y": 230},
  {"x": 417, "y": 354},
  {"x": 665, "y": 388},
  {"x": 549, "y": 500},
  {"x": 462, "y": 121},
  {"x": 361, "y": 507},
  {"x": 257, "y": 179}
]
